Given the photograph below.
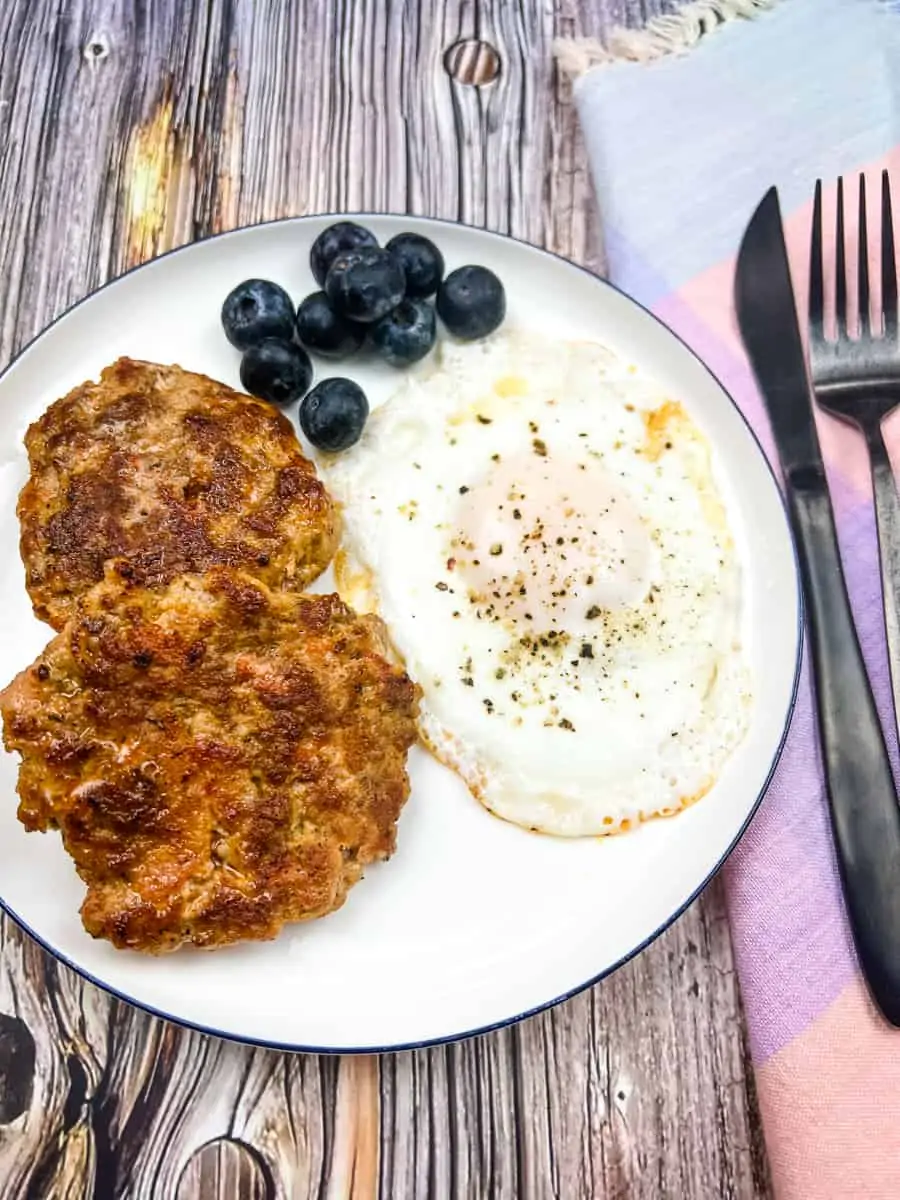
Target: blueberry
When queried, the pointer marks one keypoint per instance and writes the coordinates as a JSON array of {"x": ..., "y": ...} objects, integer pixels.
[
  {"x": 471, "y": 302},
  {"x": 422, "y": 263},
  {"x": 257, "y": 309},
  {"x": 406, "y": 334},
  {"x": 336, "y": 239},
  {"x": 333, "y": 414},
  {"x": 321, "y": 330},
  {"x": 276, "y": 370},
  {"x": 365, "y": 284}
]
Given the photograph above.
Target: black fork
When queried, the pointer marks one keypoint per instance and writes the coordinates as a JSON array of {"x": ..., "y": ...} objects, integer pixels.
[{"x": 857, "y": 378}]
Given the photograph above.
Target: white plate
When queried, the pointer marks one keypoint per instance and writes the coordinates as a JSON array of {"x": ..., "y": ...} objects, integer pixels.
[{"x": 453, "y": 935}]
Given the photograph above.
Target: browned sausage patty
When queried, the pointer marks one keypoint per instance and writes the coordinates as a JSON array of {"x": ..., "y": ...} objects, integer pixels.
[
  {"x": 169, "y": 472},
  {"x": 219, "y": 758}
]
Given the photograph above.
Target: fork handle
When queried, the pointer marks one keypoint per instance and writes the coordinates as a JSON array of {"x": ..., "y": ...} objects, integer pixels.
[
  {"x": 887, "y": 518},
  {"x": 861, "y": 793}
]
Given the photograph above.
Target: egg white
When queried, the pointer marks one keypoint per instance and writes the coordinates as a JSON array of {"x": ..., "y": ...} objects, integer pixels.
[{"x": 578, "y": 682}]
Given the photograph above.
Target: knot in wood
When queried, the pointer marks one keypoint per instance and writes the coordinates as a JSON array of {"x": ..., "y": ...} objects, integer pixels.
[{"x": 472, "y": 62}]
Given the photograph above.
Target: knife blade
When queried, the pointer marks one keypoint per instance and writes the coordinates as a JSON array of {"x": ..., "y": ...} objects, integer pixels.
[
  {"x": 862, "y": 797},
  {"x": 767, "y": 317}
]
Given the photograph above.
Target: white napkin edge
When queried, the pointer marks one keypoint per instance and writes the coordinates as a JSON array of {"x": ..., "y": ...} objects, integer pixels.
[{"x": 671, "y": 33}]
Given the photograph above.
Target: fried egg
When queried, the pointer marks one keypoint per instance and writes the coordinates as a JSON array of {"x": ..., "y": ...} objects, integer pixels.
[{"x": 544, "y": 538}]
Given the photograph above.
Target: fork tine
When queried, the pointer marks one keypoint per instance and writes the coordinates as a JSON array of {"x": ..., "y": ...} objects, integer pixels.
[
  {"x": 816, "y": 271},
  {"x": 840, "y": 287},
  {"x": 863, "y": 263},
  {"x": 888, "y": 261}
]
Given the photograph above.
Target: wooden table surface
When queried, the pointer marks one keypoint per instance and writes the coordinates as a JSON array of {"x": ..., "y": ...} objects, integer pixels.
[{"x": 128, "y": 129}]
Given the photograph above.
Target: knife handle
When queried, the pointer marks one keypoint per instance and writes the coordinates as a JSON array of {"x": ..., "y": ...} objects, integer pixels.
[{"x": 860, "y": 785}]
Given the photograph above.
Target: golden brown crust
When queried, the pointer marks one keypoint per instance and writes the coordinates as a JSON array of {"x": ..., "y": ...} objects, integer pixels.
[
  {"x": 169, "y": 472},
  {"x": 219, "y": 758}
]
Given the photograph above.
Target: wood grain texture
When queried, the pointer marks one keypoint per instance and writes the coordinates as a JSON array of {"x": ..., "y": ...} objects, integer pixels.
[{"x": 128, "y": 129}]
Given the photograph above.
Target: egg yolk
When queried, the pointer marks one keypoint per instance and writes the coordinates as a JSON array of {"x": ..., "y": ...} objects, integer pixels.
[{"x": 551, "y": 542}]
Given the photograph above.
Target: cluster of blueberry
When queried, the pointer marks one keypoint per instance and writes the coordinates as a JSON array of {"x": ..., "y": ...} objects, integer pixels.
[{"x": 371, "y": 296}]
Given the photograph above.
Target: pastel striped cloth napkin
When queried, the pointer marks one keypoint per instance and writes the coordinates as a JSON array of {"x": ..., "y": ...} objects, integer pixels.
[{"x": 682, "y": 147}]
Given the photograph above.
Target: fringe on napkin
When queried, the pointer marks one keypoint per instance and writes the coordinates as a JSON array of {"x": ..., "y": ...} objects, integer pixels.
[{"x": 672, "y": 33}]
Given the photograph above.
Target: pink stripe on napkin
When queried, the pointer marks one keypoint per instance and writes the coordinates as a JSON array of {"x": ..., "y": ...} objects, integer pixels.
[{"x": 830, "y": 1102}]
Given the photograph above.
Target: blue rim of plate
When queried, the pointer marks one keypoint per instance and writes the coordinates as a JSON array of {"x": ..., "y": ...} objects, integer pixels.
[{"x": 507, "y": 1022}]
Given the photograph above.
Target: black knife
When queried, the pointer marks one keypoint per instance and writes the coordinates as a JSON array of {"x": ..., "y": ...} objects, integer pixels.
[{"x": 861, "y": 791}]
